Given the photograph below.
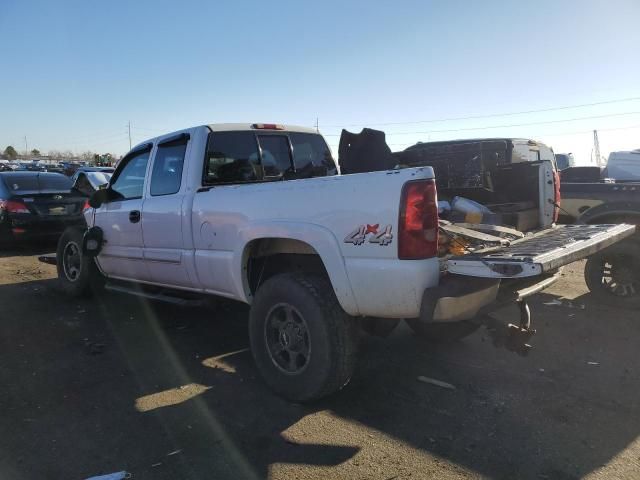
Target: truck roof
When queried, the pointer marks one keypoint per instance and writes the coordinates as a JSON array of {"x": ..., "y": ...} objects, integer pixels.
[
  {"x": 477, "y": 140},
  {"x": 225, "y": 127},
  {"x": 230, "y": 127}
]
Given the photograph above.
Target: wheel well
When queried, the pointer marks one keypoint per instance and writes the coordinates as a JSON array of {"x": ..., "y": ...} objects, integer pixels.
[{"x": 267, "y": 257}]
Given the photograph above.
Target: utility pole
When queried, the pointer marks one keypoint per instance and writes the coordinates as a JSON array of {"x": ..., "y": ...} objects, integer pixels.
[
  {"x": 129, "y": 125},
  {"x": 596, "y": 147},
  {"x": 26, "y": 147},
  {"x": 317, "y": 127}
]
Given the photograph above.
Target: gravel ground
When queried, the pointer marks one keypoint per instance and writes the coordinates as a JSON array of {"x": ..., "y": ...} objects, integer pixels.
[{"x": 101, "y": 385}]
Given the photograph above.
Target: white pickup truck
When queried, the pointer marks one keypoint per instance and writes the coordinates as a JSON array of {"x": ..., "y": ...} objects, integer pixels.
[{"x": 257, "y": 213}]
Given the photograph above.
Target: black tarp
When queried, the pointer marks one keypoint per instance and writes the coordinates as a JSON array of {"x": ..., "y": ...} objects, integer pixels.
[{"x": 366, "y": 151}]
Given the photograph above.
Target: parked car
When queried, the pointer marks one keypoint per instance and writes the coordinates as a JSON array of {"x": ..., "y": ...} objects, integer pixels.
[
  {"x": 55, "y": 168},
  {"x": 588, "y": 197},
  {"x": 37, "y": 205},
  {"x": 624, "y": 166},
  {"x": 35, "y": 167},
  {"x": 258, "y": 214},
  {"x": 89, "y": 179}
]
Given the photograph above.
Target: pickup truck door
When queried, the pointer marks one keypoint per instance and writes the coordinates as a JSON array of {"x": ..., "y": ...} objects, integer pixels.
[
  {"x": 119, "y": 219},
  {"x": 539, "y": 253},
  {"x": 167, "y": 252}
]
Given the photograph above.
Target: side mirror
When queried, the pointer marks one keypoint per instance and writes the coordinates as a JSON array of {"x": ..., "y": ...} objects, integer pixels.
[{"x": 99, "y": 197}]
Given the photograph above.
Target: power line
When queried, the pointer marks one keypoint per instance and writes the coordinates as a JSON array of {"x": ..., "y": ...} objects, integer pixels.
[
  {"x": 491, "y": 115},
  {"x": 548, "y": 122}
]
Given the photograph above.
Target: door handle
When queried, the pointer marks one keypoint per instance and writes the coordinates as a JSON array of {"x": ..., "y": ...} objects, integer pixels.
[{"x": 134, "y": 216}]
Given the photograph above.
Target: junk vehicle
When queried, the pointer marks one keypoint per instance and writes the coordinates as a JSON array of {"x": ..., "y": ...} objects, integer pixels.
[
  {"x": 257, "y": 213},
  {"x": 589, "y": 197},
  {"x": 37, "y": 205},
  {"x": 89, "y": 179},
  {"x": 624, "y": 166}
]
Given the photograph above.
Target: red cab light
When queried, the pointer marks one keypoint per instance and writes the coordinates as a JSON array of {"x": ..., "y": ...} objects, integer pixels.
[
  {"x": 418, "y": 224},
  {"x": 267, "y": 126},
  {"x": 14, "y": 206}
]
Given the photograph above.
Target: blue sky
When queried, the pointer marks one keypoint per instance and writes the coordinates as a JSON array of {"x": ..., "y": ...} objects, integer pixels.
[{"x": 75, "y": 72}]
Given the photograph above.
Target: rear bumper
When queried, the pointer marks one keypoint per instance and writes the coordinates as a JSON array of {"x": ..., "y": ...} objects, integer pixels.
[
  {"x": 460, "y": 297},
  {"x": 18, "y": 228}
]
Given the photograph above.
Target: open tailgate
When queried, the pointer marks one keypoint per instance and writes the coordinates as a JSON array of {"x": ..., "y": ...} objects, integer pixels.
[{"x": 540, "y": 252}]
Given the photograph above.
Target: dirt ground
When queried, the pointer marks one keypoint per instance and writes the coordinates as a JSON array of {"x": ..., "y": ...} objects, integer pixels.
[{"x": 101, "y": 385}]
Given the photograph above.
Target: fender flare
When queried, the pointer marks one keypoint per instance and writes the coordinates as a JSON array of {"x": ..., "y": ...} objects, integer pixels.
[{"x": 319, "y": 238}]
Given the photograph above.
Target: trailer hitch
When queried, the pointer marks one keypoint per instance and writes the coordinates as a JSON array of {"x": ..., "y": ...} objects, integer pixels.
[
  {"x": 514, "y": 338},
  {"x": 518, "y": 336}
]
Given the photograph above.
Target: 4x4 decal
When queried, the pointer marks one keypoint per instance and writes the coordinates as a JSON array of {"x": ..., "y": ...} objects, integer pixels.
[{"x": 359, "y": 235}]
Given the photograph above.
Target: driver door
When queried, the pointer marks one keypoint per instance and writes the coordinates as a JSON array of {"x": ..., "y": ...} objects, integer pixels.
[{"x": 120, "y": 220}]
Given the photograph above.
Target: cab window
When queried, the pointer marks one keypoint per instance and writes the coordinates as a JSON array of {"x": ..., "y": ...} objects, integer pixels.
[
  {"x": 232, "y": 157},
  {"x": 167, "y": 168},
  {"x": 276, "y": 156},
  {"x": 129, "y": 183},
  {"x": 311, "y": 155}
]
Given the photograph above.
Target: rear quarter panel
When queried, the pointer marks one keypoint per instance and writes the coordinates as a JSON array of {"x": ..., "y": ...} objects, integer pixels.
[{"x": 326, "y": 213}]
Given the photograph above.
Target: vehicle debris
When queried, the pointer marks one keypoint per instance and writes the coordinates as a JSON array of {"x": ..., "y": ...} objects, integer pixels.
[
  {"x": 438, "y": 383},
  {"x": 112, "y": 476}
]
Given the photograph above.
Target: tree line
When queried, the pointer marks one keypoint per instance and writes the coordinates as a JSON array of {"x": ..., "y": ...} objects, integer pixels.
[{"x": 10, "y": 153}]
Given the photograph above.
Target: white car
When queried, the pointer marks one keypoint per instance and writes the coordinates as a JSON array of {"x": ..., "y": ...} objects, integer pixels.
[
  {"x": 623, "y": 166},
  {"x": 257, "y": 213}
]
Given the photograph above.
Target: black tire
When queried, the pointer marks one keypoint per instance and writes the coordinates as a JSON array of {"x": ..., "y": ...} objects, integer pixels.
[
  {"x": 613, "y": 275},
  {"x": 303, "y": 343},
  {"x": 78, "y": 275},
  {"x": 442, "y": 332}
]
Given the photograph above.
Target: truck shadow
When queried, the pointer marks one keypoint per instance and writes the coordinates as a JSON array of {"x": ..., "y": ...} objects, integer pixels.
[
  {"x": 28, "y": 248},
  {"x": 172, "y": 393}
]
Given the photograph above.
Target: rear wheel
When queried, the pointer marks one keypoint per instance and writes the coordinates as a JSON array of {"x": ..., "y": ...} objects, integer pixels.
[
  {"x": 613, "y": 275},
  {"x": 78, "y": 274},
  {"x": 303, "y": 343},
  {"x": 442, "y": 332}
]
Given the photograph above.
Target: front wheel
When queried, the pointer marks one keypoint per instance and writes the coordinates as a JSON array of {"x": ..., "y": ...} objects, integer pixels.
[
  {"x": 613, "y": 275},
  {"x": 303, "y": 343},
  {"x": 78, "y": 274}
]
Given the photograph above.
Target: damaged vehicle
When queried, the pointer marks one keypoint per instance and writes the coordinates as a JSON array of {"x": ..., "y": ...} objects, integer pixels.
[
  {"x": 259, "y": 214},
  {"x": 590, "y": 197},
  {"x": 499, "y": 201}
]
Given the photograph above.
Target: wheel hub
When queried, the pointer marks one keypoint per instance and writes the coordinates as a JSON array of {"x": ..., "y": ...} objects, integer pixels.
[
  {"x": 287, "y": 339},
  {"x": 620, "y": 277},
  {"x": 72, "y": 261}
]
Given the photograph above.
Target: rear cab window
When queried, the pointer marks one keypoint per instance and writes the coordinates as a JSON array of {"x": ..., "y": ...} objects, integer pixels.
[
  {"x": 311, "y": 155},
  {"x": 253, "y": 156},
  {"x": 232, "y": 157}
]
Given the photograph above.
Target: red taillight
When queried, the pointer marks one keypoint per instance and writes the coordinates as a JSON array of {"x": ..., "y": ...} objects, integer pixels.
[
  {"x": 556, "y": 195},
  {"x": 13, "y": 206},
  {"x": 267, "y": 126},
  {"x": 418, "y": 225},
  {"x": 86, "y": 206}
]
